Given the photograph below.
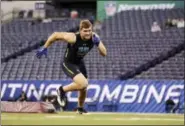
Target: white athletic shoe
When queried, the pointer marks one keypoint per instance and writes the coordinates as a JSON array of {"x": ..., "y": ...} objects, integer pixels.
[{"x": 61, "y": 98}]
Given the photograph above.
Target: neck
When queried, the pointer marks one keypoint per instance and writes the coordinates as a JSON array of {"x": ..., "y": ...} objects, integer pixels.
[{"x": 83, "y": 38}]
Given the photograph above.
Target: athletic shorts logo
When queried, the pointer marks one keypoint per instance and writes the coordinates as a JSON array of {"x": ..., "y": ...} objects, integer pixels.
[{"x": 110, "y": 8}]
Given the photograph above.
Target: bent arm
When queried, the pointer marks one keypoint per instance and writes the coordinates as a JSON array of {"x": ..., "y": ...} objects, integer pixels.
[
  {"x": 102, "y": 49},
  {"x": 65, "y": 36}
]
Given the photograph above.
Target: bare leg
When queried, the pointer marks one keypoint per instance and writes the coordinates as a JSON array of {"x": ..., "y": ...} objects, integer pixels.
[
  {"x": 71, "y": 87},
  {"x": 81, "y": 97},
  {"x": 80, "y": 82}
]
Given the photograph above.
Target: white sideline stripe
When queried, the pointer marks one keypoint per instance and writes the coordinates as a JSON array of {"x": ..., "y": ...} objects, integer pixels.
[
  {"x": 107, "y": 119},
  {"x": 123, "y": 113},
  {"x": 59, "y": 116},
  {"x": 136, "y": 119}
]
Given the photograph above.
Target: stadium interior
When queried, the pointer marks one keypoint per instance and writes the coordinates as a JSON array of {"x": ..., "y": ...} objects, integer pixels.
[{"x": 134, "y": 51}]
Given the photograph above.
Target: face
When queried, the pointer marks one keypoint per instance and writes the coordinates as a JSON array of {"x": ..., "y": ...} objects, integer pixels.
[{"x": 86, "y": 33}]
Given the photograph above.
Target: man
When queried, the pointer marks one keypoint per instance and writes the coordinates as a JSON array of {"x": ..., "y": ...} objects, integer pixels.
[
  {"x": 180, "y": 23},
  {"x": 22, "y": 97},
  {"x": 79, "y": 44},
  {"x": 155, "y": 27},
  {"x": 168, "y": 23}
]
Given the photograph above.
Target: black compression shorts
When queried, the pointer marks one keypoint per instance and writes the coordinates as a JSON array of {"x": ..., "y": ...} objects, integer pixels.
[{"x": 71, "y": 69}]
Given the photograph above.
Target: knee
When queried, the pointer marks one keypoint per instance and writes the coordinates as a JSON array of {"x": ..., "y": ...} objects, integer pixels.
[
  {"x": 81, "y": 81},
  {"x": 84, "y": 84}
]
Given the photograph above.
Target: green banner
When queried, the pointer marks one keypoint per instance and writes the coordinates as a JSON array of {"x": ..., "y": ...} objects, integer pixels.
[{"x": 109, "y": 8}]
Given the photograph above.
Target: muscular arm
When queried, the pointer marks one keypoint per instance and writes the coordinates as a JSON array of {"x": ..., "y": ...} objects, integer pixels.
[
  {"x": 65, "y": 36},
  {"x": 102, "y": 49}
]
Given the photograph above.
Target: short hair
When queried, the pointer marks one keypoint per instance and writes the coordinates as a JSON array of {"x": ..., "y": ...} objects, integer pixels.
[{"x": 85, "y": 24}]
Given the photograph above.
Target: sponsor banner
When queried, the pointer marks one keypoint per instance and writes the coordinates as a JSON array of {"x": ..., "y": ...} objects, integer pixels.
[
  {"x": 28, "y": 107},
  {"x": 109, "y": 8},
  {"x": 124, "y": 96}
]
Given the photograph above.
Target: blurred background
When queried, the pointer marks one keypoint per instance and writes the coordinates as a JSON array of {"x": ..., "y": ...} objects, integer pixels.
[{"x": 144, "y": 40}]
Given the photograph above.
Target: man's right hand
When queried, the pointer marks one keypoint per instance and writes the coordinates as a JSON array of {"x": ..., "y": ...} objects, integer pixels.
[{"x": 41, "y": 51}]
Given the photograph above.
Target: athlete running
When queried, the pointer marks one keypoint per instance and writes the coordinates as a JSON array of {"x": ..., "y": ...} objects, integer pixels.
[{"x": 79, "y": 44}]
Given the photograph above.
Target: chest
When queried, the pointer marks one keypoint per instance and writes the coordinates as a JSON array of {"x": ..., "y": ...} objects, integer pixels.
[{"x": 83, "y": 47}]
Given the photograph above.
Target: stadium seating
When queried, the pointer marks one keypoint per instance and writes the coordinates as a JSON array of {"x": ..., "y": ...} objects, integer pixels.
[
  {"x": 20, "y": 34},
  {"x": 139, "y": 20},
  {"x": 128, "y": 39},
  {"x": 173, "y": 68}
]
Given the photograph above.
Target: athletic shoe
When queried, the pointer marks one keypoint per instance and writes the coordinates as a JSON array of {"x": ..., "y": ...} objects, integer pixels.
[
  {"x": 61, "y": 98},
  {"x": 81, "y": 110}
]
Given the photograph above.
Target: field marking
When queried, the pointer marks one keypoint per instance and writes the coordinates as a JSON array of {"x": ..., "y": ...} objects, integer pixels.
[
  {"x": 138, "y": 119},
  {"x": 105, "y": 119},
  {"x": 117, "y": 113},
  {"x": 59, "y": 116},
  {"x": 123, "y": 113}
]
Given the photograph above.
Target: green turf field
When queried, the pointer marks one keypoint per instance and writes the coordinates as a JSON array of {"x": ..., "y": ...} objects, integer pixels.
[{"x": 71, "y": 118}]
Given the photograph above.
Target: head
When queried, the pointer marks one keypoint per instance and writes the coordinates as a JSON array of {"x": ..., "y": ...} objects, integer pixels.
[
  {"x": 155, "y": 23},
  {"x": 23, "y": 93},
  {"x": 174, "y": 21},
  {"x": 85, "y": 29},
  {"x": 169, "y": 20}
]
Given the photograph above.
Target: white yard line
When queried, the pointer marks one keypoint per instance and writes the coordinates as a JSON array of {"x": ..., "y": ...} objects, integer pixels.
[
  {"x": 122, "y": 113},
  {"x": 59, "y": 116},
  {"x": 138, "y": 119},
  {"x": 103, "y": 118}
]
